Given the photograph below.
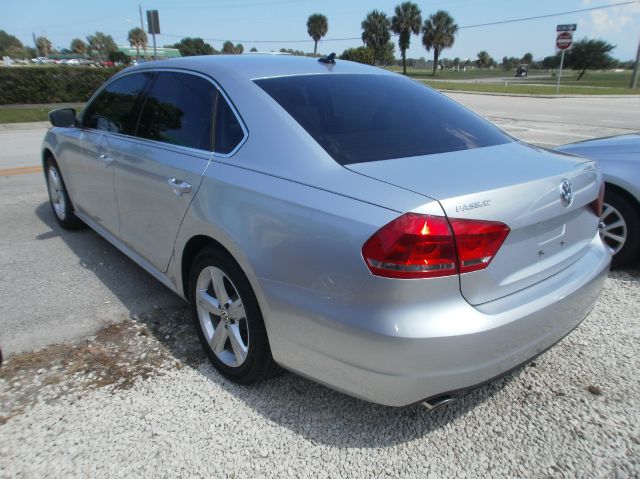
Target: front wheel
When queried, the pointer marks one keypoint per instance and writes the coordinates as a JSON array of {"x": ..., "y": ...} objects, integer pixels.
[
  {"x": 228, "y": 319},
  {"x": 59, "y": 198},
  {"x": 620, "y": 228}
]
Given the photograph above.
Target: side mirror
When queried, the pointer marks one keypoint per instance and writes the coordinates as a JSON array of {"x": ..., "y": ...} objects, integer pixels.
[{"x": 63, "y": 117}]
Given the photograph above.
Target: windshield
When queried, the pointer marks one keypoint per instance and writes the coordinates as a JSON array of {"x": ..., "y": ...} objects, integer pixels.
[{"x": 358, "y": 118}]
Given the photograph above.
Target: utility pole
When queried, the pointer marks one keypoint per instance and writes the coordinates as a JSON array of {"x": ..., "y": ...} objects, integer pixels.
[
  {"x": 141, "y": 21},
  {"x": 36, "y": 44},
  {"x": 634, "y": 77}
]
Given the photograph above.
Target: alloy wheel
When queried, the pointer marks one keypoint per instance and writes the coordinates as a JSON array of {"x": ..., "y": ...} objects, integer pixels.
[
  {"x": 222, "y": 316},
  {"x": 613, "y": 228},
  {"x": 56, "y": 193}
]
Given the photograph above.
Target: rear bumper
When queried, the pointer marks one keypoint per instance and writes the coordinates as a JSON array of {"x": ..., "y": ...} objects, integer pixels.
[{"x": 463, "y": 345}]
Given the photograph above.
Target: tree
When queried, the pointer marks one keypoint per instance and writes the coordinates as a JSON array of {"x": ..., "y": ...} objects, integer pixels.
[
  {"x": 317, "y": 27},
  {"x": 253, "y": 49},
  {"x": 138, "y": 39},
  {"x": 407, "y": 20},
  {"x": 375, "y": 33},
  {"x": 119, "y": 57},
  {"x": 189, "y": 47},
  {"x": 78, "y": 46},
  {"x": 484, "y": 60},
  {"x": 592, "y": 54},
  {"x": 229, "y": 48},
  {"x": 527, "y": 58},
  {"x": 439, "y": 32},
  {"x": 551, "y": 62},
  {"x": 509, "y": 63},
  {"x": 10, "y": 45},
  {"x": 364, "y": 55},
  {"x": 101, "y": 44},
  {"x": 44, "y": 46}
]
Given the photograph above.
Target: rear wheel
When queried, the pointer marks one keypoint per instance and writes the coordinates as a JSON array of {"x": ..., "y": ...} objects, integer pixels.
[
  {"x": 621, "y": 229},
  {"x": 59, "y": 198},
  {"x": 228, "y": 319}
]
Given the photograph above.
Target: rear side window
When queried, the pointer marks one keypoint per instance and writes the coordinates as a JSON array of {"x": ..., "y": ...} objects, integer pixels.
[
  {"x": 178, "y": 109},
  {"x": 229, "y": 133},
  {"x": 361, "y": 118},
  {"x": 114, "y": 107}
]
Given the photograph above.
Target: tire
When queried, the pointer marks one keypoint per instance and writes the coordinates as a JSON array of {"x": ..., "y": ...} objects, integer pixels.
[
  {"x": 234, "y": 336},
  {"x": 621, "y": 229},
  {"x": 59, "y": 198}
]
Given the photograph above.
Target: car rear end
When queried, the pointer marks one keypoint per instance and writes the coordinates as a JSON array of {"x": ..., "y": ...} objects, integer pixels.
[{"x": 495, "y": 258}]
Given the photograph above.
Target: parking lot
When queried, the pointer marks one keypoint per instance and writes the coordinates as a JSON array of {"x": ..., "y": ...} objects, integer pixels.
[{"x": 131, "y": 393}]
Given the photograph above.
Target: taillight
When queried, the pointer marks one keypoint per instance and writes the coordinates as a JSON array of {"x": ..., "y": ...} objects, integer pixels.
[
  {"x": 598, "y": 203},
  {"x": 477, "y": 242},
  {"x": 425, "y": 246}
]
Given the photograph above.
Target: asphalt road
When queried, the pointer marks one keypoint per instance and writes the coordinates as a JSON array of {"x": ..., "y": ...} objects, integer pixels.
[{"x": 57, "y": 285}]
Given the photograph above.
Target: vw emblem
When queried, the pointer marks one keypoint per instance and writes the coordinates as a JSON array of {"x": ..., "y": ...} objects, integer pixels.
[{"x": 566, "y": 193}]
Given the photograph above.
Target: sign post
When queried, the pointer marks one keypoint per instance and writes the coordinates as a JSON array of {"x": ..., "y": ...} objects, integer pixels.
[
  {"x": 153, "y": 25},
  {"x": 564, "y": 38}
]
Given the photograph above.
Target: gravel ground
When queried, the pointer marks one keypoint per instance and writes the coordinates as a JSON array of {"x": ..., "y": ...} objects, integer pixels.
[{"x": 138, "y": 399}]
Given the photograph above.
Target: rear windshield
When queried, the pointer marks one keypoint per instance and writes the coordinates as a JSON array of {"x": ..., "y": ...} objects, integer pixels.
[{"x": 359, "y": 118}]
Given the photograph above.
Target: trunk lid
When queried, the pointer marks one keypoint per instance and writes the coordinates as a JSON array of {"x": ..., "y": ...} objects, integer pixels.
[{"x": 518, "y": 185}]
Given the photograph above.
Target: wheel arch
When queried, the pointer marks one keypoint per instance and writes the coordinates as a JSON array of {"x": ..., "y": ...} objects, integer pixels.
[
  {"x": 608, "y": 186},
  {"x": 192, "y": 247}
]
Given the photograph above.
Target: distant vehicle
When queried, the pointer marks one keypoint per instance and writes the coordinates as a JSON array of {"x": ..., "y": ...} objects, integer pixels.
[
  {"x": 619, "y": 158},
  {"x": 318, "y": 215},
  {"x": 522, "y": 71}
]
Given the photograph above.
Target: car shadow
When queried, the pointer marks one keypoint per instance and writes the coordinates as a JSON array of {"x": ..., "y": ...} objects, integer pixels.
[
  {"x": 311, "y": 410},
  {"x": 308, "y": 409},
  {"x": 134, "y": 287}
]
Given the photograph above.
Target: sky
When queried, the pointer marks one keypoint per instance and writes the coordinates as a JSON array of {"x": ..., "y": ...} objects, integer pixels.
[{"x": 270, "y": 25}]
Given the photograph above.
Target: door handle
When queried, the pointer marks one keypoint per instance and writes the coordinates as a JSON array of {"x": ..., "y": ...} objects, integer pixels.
[
  {"x": 107, "y": 160},
  {"x": 179, "y": 187}
]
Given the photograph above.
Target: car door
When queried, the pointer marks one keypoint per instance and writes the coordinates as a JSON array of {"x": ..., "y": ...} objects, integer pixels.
[
  {"x": 158, "y": 172},
  {"x": 88, "y": 167}
]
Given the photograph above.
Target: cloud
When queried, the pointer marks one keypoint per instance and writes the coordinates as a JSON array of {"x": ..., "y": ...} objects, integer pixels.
[{"x": 615, "y": 19}]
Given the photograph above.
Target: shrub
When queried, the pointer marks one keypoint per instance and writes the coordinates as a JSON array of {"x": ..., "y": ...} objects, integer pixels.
[
  {"x": 51, "y": 84},
  {"x": 360, "y": 55}
]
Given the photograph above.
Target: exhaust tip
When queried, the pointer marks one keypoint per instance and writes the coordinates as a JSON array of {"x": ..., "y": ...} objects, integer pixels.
[{"x": 437, "y": 402}]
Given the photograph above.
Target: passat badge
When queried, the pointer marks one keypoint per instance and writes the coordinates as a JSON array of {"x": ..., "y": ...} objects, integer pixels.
[{"x": 566, "y": 193}]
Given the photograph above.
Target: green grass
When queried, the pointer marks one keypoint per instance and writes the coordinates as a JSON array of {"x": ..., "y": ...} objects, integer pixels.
[
  {"x": 456, "y": 75},
  {"x": 528, "y": 89},
  {"x": 25, "y": 113}
]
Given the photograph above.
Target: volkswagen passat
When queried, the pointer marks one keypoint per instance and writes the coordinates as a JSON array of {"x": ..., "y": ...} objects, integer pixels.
[{"x": 338, "y": 220}]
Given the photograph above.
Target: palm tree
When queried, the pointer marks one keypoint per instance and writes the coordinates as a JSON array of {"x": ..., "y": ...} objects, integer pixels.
[
  {"x": 138, "y": 39},
  {"x": 439, "y": 32},
  {"x": 375, "y": 32},
  {"x": 44, "y": 46},
  {"x": 406, "y": 21},
  {"x": 317, "y": 27},
  {"x": 484, "y": 59},
  {"x": 102, "y": 44},
  {"x": 78, "y": 46}
]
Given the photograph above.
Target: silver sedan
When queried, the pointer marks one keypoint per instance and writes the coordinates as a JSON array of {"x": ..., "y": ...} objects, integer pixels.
[
  {"x": 619, "y": 159},
  {"x": 334, "y": 219}
]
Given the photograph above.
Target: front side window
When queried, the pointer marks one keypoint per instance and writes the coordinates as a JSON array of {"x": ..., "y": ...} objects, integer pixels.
[
  {"x": 114, "y": 109},
  {"x": 178, "y": 110},
  {"x": 360, "y": 118}
]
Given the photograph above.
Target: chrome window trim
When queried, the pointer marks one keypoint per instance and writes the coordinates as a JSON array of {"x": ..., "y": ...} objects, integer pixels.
[{"x": 212, "y": 154}]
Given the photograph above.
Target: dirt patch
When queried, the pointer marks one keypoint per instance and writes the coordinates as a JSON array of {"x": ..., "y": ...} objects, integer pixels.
[{"x": 115, "y": 357}]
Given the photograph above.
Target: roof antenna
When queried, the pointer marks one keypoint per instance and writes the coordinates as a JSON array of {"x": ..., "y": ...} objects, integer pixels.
[{"x": 330, "y": 58}]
